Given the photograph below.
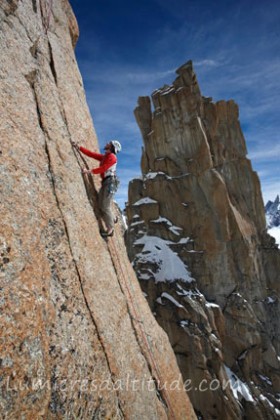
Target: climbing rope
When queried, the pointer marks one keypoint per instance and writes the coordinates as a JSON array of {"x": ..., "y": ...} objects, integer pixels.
[
  {"x": 89, "y": 184},
  {"x": 46, "y": 11},
  {"x": 78, "y": 155}
]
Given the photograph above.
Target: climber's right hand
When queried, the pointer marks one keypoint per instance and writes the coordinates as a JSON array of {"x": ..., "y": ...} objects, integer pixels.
[{"x": 74, "y": 144}]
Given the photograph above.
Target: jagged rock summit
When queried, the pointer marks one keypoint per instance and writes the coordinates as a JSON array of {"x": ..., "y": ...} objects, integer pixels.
[
  {"x": 272, "y": 211},
  {"x": 78, "y": 339},
  {"x": 198, "y": 242},
  {"x": 272, "y": 214}
]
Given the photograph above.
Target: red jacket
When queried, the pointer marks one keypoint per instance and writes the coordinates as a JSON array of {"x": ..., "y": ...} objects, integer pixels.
[{"x": 107, "y": 161}]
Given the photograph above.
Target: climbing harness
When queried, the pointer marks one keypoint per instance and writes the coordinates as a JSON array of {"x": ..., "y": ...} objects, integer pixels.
[{"x": 113, "y": 184}]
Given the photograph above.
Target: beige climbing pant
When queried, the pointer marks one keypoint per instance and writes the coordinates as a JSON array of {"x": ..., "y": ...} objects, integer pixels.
[{"x": 105, "y": 199}]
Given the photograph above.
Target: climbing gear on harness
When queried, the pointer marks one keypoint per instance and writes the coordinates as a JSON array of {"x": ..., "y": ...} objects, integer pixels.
[
  {"x": 117, "y": 145},
  {"x": 113, "y": 183}
]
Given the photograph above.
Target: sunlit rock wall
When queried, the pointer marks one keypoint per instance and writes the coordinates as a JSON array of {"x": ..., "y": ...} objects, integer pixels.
[
  {"x": 199, "y": 201},
  {"x": 78, "y": 339}
]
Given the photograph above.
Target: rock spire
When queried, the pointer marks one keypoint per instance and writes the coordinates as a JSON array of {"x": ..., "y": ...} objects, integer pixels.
[{"x": 198, "y": 242}]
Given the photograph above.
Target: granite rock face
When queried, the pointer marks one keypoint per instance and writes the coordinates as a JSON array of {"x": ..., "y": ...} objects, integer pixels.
[
  {"x": 78, "y": 339},
  {"x": 198, "y": 242}
]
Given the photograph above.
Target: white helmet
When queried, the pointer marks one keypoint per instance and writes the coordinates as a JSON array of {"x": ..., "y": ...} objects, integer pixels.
[{"x": 117, "y": 145}]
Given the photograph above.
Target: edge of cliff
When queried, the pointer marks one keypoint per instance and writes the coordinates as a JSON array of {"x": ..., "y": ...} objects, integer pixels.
[{"x": 71, "y": 345}]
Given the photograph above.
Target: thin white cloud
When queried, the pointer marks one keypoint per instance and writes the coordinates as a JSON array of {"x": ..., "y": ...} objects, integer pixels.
[
  {"x": 137, "y": 77},
  {"x": 227, "y": 65},
  {"x": 207, "y": 62},
  {"x": 123, "y": 74},
  {"x": 268, "y": 153}
]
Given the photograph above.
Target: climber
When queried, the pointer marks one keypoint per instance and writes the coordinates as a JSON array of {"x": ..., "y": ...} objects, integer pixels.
[{"x": 107, "y": 170}]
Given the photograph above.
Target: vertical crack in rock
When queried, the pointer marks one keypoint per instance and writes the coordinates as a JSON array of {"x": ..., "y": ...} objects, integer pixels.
[
  {"x": 34, "y": 5},
  {"x": 52, "y": 179},
  {"x": 34, "y": 48},
  {"x": 89, "y": 186},
  {"x": 46, "y": 10},
  {"x": 52, "y": 64},
  {"x": 31, "y": 78}
]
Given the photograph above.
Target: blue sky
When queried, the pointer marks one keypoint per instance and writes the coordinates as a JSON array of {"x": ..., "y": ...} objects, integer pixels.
[{"x": 130, "y": 48}]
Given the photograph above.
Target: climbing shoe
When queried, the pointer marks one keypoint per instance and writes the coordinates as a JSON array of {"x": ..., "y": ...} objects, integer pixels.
[{"x": 107, "y": 234}]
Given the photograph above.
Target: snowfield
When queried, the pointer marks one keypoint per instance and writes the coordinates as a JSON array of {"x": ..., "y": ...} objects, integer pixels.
[
  {"x": 169, "y": 267},
  {"x": 275, "y": 232}
]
